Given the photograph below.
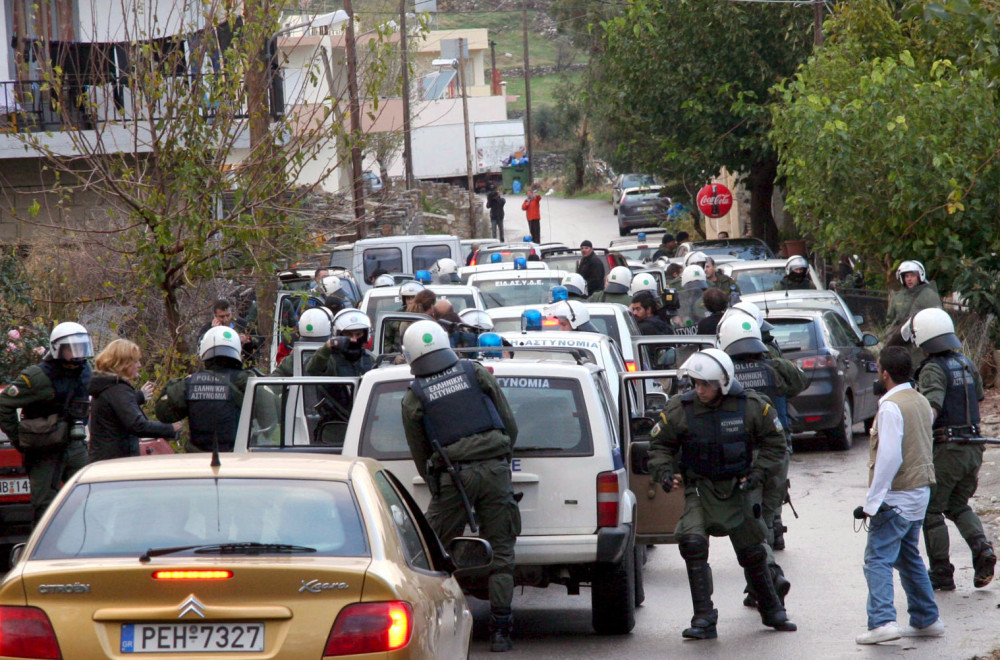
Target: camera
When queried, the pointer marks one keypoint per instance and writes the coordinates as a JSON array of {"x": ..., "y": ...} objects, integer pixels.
[{"x": 78, "y": 430}]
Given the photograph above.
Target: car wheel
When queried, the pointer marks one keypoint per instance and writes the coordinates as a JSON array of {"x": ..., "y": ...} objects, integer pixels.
[
  {"x": 612, "y": 596},
  {"x": 842, "y": 435},
  {"x": 640, "y": 561}
]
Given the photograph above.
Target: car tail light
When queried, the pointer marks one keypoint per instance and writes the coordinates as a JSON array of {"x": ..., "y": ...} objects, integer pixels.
[
  {"x": 371, "y": 628},
  {"x": 26, "y": 632},
  {"x": 810, "y": 420},
  {"x": 193, "y": 575},
  {"x": 607, "y": 499},
  {"x": 630, "y": 365},
  {"x": 816, "y": 362},
  {"x": 550, "y": 322}
]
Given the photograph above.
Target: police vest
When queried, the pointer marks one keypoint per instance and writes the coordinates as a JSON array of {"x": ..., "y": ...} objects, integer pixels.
[
  {"x": 212, "y": 409},
  {"x": 454, "y": 405},
  {"x": 70, "y": 396},
  {"x": 717, "y": 445},
  {"x": 757, "y": 375},
  {"x": 960, "y": 405}
]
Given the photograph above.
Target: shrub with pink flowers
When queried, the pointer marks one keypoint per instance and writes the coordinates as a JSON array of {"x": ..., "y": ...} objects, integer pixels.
[{"x": 24, "y": 345}]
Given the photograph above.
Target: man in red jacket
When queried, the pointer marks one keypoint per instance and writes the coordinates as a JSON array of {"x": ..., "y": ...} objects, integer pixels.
[{"x": 532, "y": 208}]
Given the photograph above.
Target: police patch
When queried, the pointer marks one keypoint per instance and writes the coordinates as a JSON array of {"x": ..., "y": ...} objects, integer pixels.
[
  {"x": 777, "y": 425},
  {"x": 656, "y": 430},
  {"x": 12, "y": 390}
]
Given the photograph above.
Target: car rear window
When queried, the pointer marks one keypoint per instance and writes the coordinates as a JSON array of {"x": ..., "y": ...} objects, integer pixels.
[
  {"x": 381, "y": 260},
  {"x": 550, "y": 413},
  {"x": 794, "y": 334},
  {"x": 527, "y": 291},
  {"x": 642, "y": 195},
  {"x": 424, "y": 256},
  {"x": 637, "y": 253},
  {"x": 744, "y": 251},
  {"x": 126, "y": 518},
  {"x": 752, "y": 280}
]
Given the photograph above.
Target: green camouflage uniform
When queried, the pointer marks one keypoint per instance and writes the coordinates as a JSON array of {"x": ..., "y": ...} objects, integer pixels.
[
  {"x": 287, "y": 367},
  {"x": 604, "y": 296},
  {"x": 485, "y": 462},
  {"x": 903, "y": 305},
  {"x": 724, "y": 283}
]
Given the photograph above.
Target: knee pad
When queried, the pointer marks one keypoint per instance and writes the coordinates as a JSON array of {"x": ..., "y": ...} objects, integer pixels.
[
  {"x": 693, "y": 547},
  {"x": 932, "y": 521},
  {"x": 751, "y": 555}
]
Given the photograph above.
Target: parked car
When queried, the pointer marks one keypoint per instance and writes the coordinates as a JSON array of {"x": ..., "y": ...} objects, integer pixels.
[
  {"x": 840, "y": 366},
  {"x": 638, "y": 250},
  {"x": 631, "y": 180},
  {"x": 281, "y": 556},
  {"x": 642, "y": 207},
  {"x": 510, "y": 251},
  {"x": 761, "y": 275},
  {"x": 747, "y": 249},
  {"x": 16, "y": 513},
  {"x": 808, "y": 298}
]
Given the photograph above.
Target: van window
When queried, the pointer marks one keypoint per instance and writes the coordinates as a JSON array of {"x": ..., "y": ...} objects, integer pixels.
[
  {"x": 550, "y": 413},
  {"x": 522, "y": 291},
  {"x": 384, "y": 259},
  {"x": 341, "y": 258},
  {"x": 424, "y": 256}
]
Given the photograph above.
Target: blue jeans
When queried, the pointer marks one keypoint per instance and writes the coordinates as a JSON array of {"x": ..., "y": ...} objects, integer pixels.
[{"x": 893, "y": 543}]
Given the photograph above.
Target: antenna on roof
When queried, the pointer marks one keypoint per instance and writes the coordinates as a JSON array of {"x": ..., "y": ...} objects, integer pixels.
[{"x": 215, "y": 451}]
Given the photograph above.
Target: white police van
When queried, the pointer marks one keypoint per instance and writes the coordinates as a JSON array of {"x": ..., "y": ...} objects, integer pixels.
[{"x": 517, "y": 287}]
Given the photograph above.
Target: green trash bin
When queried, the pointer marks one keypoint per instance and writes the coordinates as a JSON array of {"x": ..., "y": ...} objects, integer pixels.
[{"x": 512, "y": 172}]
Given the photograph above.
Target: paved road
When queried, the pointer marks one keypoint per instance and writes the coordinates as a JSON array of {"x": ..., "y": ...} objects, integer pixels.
[{"x": 566, "y": 220}]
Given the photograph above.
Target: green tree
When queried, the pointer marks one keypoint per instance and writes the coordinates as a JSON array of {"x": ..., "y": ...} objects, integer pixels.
[
  {"x": 886, "y": 156},
  {"x": 684, "y": 87}
]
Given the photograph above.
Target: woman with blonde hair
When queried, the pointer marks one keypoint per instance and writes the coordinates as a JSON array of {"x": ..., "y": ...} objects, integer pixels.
[{"x": 116, "y": 420}]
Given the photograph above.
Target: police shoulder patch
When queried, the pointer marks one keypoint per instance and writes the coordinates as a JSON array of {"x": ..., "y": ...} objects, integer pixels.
[
  {"x": 777, "y": 425},
  {"x": 12, "y": 391}
]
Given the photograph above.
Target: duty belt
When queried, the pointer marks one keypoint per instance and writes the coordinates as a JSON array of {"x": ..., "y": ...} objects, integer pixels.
[
  {"x": 956, "y": 433},
  {"x": 462, "y": 465}
]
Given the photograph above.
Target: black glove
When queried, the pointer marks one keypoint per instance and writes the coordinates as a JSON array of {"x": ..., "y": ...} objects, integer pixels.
[
  {"x": 859, "y": 513},
  {"x": 667, "y": 483},
  {"x": 751, "y": 482},
  {"x": 339, "y": 343}
]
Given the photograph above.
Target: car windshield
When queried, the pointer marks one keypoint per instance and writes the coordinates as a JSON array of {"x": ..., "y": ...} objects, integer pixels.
[
  {"x": 533, "y": 290},
  {"x": 551, "y": 418},
  {"x": 753, "y": 280},
  {"x": 794, "y": 334},
  {"x": 127, "y": 518}
]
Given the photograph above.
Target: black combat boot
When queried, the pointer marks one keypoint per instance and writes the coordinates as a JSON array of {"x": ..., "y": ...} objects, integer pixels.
[
  {"x": 781, "y": 585},
  {"x": 500, "y": 629},
  {"x": 942, "y": 576},
  {"x": 772, "y": 611},
  {"x": 779, "y": 533},
  {"x": 705, "y": 615},
  {"x": 984, "y": 561}
]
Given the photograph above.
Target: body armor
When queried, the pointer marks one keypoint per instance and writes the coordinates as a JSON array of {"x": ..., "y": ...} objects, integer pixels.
[
  {"x": 454, "y": 404},
  {"x": 718, "y": 445}
]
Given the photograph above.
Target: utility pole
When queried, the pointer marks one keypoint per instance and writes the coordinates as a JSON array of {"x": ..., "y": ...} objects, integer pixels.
[
  {"x": 407, "y": 146},
  {"x": 468, "y": 139},
  {"x": 355, "y": 110},
  {"x": 817, "y": 22},
  {"x": 527, "y": 90},
  {"x": 494, "y": 83}
]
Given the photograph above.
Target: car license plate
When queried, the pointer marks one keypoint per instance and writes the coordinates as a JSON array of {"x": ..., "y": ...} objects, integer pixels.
[
  {"x": 191, "y": 637},
  {"x": 643, "y": 209},
  {"x": 16, "y": 486}
]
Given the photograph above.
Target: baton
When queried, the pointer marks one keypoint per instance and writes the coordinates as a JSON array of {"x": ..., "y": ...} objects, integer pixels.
[{"x": 450, "y": 468}]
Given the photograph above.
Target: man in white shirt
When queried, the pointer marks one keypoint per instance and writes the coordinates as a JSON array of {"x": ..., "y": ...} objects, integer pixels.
[{"x": 900, "y": 474}]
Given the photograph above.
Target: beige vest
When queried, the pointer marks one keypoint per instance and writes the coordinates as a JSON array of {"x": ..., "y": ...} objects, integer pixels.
[{"x": 917, "y": 469}]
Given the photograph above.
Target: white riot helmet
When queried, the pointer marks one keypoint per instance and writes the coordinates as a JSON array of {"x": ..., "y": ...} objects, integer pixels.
[
  {"x": 739, "y": 334},
  {"x": 315, "y": 323},
  {"x": 932, "y": 330},
  {"x": 410, "y": 289},
  {"x": 351, "y": 319},
  {"x": 697, "y": 258},
  {"x": 694, "y": 276},
  {"x": 221, "y": 341},
  {"x": 911, "y": 267},
  {"x": 383, "y": 280},
  {"x": 427, "y": 348},
  {"x": 575, "y": 284},
  {"x": 795, "y": 262},
  {"x": 476, "y": 318},
  {"x": 70, "y": 341},
  {"x": 619, "y": 280},
  {"x": 644, "y": 282},
  {"x": 572, "y": 310},
  {"x": 445, "y": 270},
  {"x": 747, "y": 308},
  {"x": 329, "y": 285},
  {"x": 710, "y": 364}
]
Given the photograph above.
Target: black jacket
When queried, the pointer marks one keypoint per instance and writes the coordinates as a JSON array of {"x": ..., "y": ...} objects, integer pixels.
[
  {"x": 116, "y": 420},
  {"x": 495, "y": 204},
  {"x": 590, "y": 269},
  {"x": 710, "y": 324},
  {"x": 654, "y": 325}
]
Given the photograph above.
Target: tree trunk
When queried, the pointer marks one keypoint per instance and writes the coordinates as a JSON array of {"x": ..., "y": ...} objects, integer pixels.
[
  {"x": 761, "y": 185},
  {"x": 172, "y": 307}
]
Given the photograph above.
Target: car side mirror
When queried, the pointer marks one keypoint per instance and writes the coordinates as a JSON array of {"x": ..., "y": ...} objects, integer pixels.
[
  {"x": 869, "y": 340},
  {"x": 641, "y": 426},
  {"x": 469, "y": 555},
  {"x": 655, "y": 401},
  {"x": 665, "y": 358},
  {"x": 15, "y": 554}
]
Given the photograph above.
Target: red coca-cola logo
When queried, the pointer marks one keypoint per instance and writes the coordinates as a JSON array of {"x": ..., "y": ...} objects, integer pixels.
[{"x": 715, "y": 200}]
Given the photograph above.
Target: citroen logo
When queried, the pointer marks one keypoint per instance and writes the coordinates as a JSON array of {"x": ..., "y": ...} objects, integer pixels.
[{"x": 192, "y": 604}]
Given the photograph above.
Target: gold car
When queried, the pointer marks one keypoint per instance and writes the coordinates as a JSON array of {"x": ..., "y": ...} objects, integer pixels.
[{"x": 266, "y": 556}]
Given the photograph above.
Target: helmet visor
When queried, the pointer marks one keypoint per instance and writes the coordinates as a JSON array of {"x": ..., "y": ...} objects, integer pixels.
[{"x": 74, "y": 347}]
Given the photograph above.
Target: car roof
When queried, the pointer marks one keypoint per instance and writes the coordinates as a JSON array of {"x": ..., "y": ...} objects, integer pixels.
[
  {"x": 198, "y": 466},
  {"x": 444, "y": 289},
  {"x": 495, "y": 276},
  {"x": 807, "y": 296},
  {"x": 742, "y": 264},
  {"x": 795, "y": 313},
  {"x": 724, "y": 242},
  {"x": 516, "y": 310},
  {"x": 498, "y": 366}
]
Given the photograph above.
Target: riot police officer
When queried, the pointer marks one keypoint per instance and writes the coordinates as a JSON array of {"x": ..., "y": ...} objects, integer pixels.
[
  {"x": 616, "y": 288},
  {"x": 571, "y": 315},
  {"x": 210, "y": 399},
  {"x": 54, "y": 402},
  {"x": 445, "y": 271},
  {"x": 796, "y": 275},
  {"x": 315, "y": 325},
  {"x": 917, "y": 294},
  {"x": 392, "y": 336},
  {"x": 344, "y": 354},
  {"x": 723, "y": 441},
  {"x": 778, "y": 380},
  {"x": 456, "y": 412},
  {"x": 576, "y": 286},
  {"x": 952, "y": 385}
]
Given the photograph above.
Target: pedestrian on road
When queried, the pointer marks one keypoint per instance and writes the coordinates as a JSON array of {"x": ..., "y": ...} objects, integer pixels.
[
  {"x": 720, "y": 441},
  {"x": 495, "y": 203},
  {"x": 532, "y": 207},
  {"x": 456, "y": 412},
  {"x": 591, "y": 267},
  {"x": 211, "y": 398},
  {"x": 954, "y": 389},
  {"x": 900, "y": 476},
  {"x": 54, "y": 403},
  {"x": 116, "y": 418}
]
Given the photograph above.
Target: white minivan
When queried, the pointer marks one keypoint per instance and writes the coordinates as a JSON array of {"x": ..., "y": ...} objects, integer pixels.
[{"x": 371, "y": 257}]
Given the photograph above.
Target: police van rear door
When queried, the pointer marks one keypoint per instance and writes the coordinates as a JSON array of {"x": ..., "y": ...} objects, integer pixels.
[{"x": 657, "y": 512}]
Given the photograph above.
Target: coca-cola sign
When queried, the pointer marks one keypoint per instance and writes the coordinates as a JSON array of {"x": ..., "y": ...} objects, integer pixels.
[{"x": 715, "y": 200}]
